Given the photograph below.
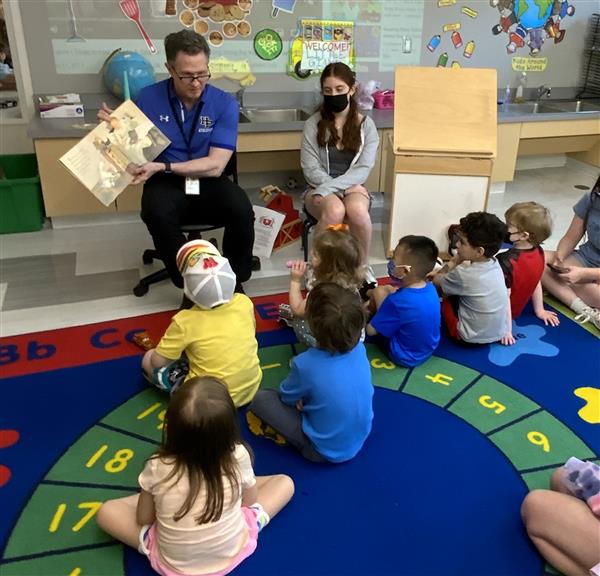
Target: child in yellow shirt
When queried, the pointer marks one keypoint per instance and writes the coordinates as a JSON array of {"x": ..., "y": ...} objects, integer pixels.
[{"x": 217, "y": 334}]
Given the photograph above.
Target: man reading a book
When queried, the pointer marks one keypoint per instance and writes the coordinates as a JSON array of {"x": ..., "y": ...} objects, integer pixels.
[{"x": 186, "y": 183}]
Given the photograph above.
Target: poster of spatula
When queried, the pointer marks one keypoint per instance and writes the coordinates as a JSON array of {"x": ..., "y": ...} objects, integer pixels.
[{"x": 131, "y": 9}]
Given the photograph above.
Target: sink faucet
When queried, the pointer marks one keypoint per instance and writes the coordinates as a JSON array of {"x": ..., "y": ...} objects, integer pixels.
[
  {"x": 239, "y": 96},
  {"x": 542, "y": 91}
]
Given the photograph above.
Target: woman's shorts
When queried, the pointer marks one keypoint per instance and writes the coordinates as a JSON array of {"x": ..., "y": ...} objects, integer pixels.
[{"x": 149, "y": 547}]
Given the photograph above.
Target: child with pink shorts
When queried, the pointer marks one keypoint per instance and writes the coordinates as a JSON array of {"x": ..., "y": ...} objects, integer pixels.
[{"x": 201, "y": 507}]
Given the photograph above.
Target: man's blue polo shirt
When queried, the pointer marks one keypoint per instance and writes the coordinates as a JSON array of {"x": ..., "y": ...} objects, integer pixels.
[{"x": 217, "y": 123}]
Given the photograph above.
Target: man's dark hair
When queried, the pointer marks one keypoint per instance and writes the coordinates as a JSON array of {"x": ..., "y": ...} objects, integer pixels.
[
  {"x": 483, "y": 230},
  {"x": 186, "y": 41},
  {"x": 422, "y": 253},
  {"x": 335, "y": 316}
]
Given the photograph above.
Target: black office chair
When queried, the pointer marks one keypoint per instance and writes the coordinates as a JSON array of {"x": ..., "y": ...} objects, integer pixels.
[{"x": 191, "y": 231}]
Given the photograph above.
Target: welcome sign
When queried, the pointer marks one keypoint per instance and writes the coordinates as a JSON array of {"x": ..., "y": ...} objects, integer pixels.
[{"x": 326, "y": 41}]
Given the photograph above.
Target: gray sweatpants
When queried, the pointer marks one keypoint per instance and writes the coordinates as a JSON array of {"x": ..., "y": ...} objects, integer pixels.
[{"x": 287, "y": 420}]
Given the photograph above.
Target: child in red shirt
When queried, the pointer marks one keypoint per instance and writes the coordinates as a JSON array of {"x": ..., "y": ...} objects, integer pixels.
[{"x": 529, "y": 224}]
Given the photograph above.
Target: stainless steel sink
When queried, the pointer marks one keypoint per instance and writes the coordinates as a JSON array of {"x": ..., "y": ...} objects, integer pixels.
[
  {"x": 576, "y": 105},
  {"x": 275, "y": 114},
  {"x": 531, "y": 108},
  {"x": 553, "y": 107}
]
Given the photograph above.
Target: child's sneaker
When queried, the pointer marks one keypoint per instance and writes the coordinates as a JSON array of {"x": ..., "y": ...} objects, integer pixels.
[
  {"x": 260, "y": 428},
  {"x": 286, "y": 315},
  {"x": 168, "y": 378},
  {"x": 589, "y": 314}
]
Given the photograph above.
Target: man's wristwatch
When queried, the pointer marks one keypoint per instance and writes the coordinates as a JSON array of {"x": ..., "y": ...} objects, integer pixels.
[{"x": 168, "y": 168}]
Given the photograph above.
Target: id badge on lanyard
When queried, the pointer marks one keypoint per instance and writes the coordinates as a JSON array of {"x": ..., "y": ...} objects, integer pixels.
[{"x": 192, "y": 185}]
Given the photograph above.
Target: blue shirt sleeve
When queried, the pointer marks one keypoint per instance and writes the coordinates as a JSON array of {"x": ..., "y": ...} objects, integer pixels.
[
  {"x": 224, "y": 133},
  {"x": 291, "y": 389},
  {"x": 583, "y": 206},
  {"x": 389, "y": 317}
]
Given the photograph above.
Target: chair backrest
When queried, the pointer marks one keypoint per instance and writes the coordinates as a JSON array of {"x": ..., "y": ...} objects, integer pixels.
[{"x": 231, "y": 168}]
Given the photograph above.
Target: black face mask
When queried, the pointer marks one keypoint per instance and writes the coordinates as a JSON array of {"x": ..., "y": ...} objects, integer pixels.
[{"x": 336, "y": 103}]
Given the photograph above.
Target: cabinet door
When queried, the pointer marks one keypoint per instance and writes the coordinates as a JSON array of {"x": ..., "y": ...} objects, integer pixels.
[
  {"x": 426, "y": 204},
  {"x": 62, "y": 192}
]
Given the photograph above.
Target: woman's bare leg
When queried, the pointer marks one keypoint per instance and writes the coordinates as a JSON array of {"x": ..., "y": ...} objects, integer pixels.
[
  {"x": 563, "y": 529},
  {"x": 356, "y": 203}
]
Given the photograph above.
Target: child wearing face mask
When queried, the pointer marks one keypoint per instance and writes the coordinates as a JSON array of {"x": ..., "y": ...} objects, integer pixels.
[
  {"x": 408, "y": 315},
  {"x": 339, "y": 149},
  {"x": 528, "y": 224}
]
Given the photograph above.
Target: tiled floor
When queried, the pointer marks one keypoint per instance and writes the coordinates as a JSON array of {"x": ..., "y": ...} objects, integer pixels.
[{"x": 65, "y": 277}]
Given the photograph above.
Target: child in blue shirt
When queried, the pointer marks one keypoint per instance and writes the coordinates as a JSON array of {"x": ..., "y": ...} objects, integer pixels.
[
  {"x": 408, "y": 316},
  {"x": 324, "y": 408}
]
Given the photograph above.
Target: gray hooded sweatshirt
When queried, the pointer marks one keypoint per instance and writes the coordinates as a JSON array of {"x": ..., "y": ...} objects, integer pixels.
[{"x": 315, "y": 159}]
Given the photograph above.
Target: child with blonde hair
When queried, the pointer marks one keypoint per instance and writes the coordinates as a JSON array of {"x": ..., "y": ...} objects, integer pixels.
[
  {"x": 335, "y": 257},
  {"x": 201, "y": 507},
  {"x": 529, "y": 224}
]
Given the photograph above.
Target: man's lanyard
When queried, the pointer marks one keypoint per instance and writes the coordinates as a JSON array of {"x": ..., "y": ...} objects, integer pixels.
[{"x": 178, "y": 118}]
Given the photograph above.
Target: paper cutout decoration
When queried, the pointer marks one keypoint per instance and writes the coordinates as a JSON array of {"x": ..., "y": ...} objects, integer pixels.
[
  {"x": 284, "y": 6},
  {"x": 268, "y": 44}
]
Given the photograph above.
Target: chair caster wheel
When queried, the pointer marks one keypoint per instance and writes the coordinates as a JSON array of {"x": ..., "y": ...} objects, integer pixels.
[
  {"x": 140, "y": 289},
  {"x": 147, "y": 257}
]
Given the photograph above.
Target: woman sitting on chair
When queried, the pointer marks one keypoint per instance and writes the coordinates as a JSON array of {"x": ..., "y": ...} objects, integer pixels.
[{"x": 338, "y": 152}]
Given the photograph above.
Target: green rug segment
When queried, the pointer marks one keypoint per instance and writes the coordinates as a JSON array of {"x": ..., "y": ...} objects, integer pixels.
[
  {"x": 384, "y": 372},
  {"x": 59, "y": 518},
  {"x": 143, "y": 414},
  {"x": 539, "y": 440},
  {"x": 103, "y": 456},
  {"x": 490, "y": 404},
  {"x": 438, "y": 380},
  {"x": 102, "y": 560}
]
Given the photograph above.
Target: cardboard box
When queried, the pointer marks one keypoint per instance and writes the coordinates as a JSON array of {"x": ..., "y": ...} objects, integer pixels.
[{"x": 61, "y": 110}]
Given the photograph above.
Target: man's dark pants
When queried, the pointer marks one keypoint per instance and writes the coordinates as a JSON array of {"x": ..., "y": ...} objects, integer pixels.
[{"x": 166, "y": 206}]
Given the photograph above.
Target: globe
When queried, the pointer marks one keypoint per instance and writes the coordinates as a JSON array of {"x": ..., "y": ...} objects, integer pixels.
[
  {"x": 533, "y": 13},
  {"x": 140, "y": 73}
]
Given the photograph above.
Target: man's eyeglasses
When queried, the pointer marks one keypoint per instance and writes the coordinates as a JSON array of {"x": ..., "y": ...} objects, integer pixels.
[{"x": 203, "y": 77}]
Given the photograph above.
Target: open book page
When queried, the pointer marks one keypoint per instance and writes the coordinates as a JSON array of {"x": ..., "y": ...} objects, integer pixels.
[{"x": 102, "y": 160}]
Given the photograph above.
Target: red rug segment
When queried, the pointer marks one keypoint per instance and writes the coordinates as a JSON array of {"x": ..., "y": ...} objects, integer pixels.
[{"x": 78, "y": 345}]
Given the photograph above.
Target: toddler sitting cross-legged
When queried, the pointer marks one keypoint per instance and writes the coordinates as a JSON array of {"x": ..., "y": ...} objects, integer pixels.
[
  {"x": 324, "y": 407},
  {"x": 408, "y": 316}
]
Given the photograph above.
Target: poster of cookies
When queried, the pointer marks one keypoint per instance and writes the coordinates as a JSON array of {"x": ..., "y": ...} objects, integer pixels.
[{"x": 217, "y": 20}]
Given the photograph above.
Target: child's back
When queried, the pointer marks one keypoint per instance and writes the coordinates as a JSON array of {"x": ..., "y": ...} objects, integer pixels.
[
  {"x": 523, "y": 270},
  {"x": 475, "y": 308},
  {"x": 218, "y": 333},
  {"x": 528, "y": 224},
  {"x": 185, "y": 545},
  {"x": 409, "y": 317},
  {"x": 337, "y": 394},
  {"x": 220, "y": 342},
  {"x": 482, "y": 315}
]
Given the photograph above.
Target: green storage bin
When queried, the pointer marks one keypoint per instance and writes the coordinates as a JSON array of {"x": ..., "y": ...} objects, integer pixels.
[{"x": 21, "y": 206}]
